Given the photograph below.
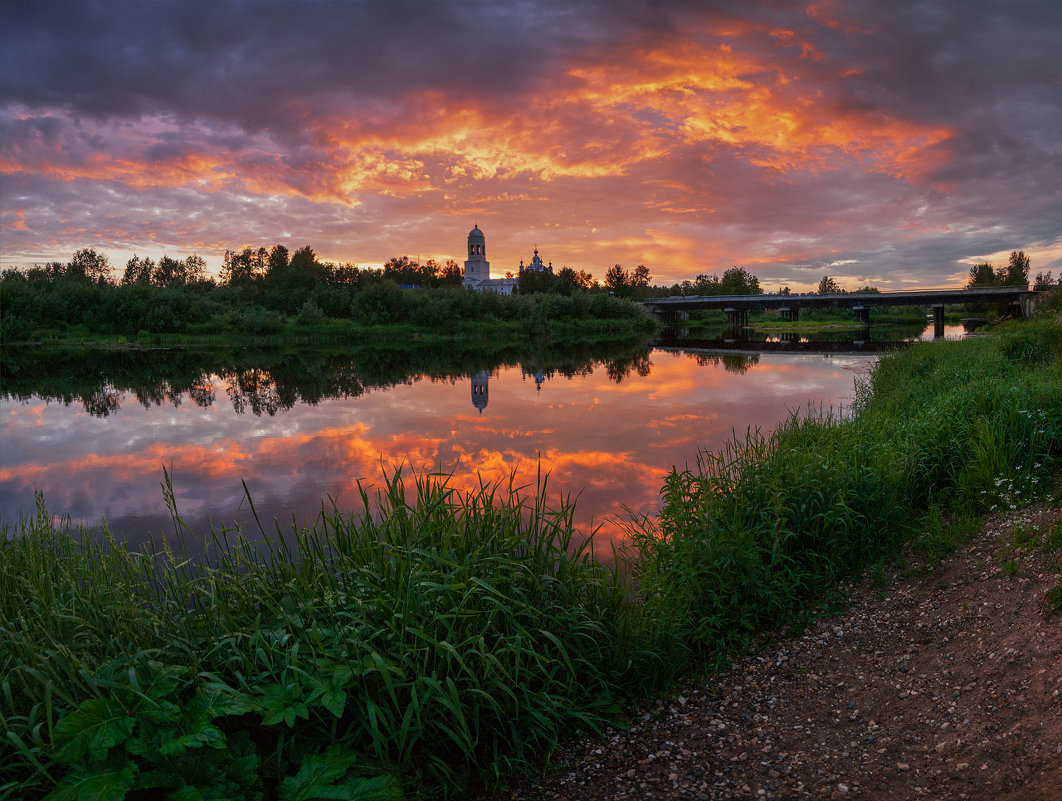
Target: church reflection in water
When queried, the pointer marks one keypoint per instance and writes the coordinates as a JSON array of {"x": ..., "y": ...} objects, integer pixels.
[{"x": 481, "y": 383}]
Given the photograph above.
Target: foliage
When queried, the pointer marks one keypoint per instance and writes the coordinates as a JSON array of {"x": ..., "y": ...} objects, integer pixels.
[
  {"x": 412, "y": 644},
  {"x": 1044, "y": 282},
  {"x": 565, "y": 281},
  {"x": 265, "y": 293},
  {"x": 422, "y": 646},
  {"x": 89, "y": 265},
  {"x": 626, "y": 283},
  {"x": 757, "y": 531},
  {"x": 1014, "y": 273},
  {"x": 828, "y": 286},
  {"x": 734, "y": 281}
]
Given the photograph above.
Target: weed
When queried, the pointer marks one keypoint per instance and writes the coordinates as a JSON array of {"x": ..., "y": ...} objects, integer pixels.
[
  {"x": 1053, "y": 600},
  {"x": 877, "y": 574},
  {"x": 1053, "y": 540}
]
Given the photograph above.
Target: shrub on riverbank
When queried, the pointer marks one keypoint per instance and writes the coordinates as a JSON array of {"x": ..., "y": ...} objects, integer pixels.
[{"x": 759, "y": 530}]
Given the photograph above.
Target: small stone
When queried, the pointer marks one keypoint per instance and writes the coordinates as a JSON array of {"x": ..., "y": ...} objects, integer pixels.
[
  {"x": 842, "y": 788},
  {"x": 902, "y": 766}
]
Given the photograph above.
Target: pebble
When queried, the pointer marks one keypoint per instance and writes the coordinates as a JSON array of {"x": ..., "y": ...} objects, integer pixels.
[{"x": 786, "y": 723}]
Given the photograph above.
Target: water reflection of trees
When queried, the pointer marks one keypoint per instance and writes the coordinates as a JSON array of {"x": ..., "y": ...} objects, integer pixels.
[
  {"x": 264, "y": 382},
  {"x": 732, "y": 362},
  {"x": 619, "y": 369}
]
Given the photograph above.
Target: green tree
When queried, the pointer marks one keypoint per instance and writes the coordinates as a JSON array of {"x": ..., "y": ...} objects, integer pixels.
[
  {"x": 739, "y": 281},
  {"x": 617, "y": 280},
  {"x": 278, "y": 259},
  {"x": 170, "y": 272},
  {"x": 450, "y": 274},
  {"x": 244, "y": 268},
  {"x": 90, "y": 265},
  {"x": 138, "y": 271},
  {"x": 1016, "y": 273},
  {"x": 1044, "y": 281},
  {"x": 827, "y": 286},
  {"x": 194, "y": 268},
  {"x": 983, "y": 274}
]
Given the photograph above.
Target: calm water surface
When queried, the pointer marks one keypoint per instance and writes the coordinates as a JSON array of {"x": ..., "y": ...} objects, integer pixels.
[{"x": 607, "y": 433}]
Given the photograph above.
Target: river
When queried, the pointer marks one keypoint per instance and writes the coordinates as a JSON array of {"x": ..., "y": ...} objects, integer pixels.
[{"x": 298, "y": 430}]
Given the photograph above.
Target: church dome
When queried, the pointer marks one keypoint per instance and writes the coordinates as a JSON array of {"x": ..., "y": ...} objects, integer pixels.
[{"x": 476, "y": 232}]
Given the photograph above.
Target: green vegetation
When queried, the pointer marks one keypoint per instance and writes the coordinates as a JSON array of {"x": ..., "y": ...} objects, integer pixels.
[
  {"x": 1053, "y": 547},
  {"x": 411, "y": 644},
  {"x": 427, "y": 647},
  {"x": 266, "y": 297},
  {"x": 734, "y": 281},
  {"x": 762, "y": 528},
  {"x": 1014, "y": 273},
  {"x": 913, "y": 318}
]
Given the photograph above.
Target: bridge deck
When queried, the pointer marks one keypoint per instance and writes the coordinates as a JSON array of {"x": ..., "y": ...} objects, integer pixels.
[{"x": 923, "y": 297}]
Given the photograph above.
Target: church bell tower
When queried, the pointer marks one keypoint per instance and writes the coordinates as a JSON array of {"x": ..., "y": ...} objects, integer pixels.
[{"x": 477, "y": 268}]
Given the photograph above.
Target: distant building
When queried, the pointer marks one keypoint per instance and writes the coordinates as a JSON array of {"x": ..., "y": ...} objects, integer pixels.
[
  {"x": 477, "y": 268},
  {"x": 536, "y": 265}
]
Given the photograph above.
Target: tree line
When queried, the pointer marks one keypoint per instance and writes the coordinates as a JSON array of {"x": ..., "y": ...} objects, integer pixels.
[
  {"x": 1014, "y": 273},
  {"x": 260, "y": 291}
]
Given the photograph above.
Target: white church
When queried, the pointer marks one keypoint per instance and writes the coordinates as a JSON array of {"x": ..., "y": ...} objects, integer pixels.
[{"x": 477, "y": 268}]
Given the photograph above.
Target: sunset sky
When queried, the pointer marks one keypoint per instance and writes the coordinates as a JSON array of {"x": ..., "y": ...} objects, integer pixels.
[{"x": 887, "y": 143}]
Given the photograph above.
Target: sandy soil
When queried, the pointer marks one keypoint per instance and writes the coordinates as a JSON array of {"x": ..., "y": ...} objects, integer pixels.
[{"x": 942, "y": 683}]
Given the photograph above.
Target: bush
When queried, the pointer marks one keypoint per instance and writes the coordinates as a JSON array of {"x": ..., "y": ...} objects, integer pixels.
[
  {"x": 380, "y": 302},
  {"x": 310, "y": 314},
  {"x": 758, "y": 531}
]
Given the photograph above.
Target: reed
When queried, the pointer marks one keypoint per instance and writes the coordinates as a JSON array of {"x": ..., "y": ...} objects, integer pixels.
[{"x": 411, "y": 646}]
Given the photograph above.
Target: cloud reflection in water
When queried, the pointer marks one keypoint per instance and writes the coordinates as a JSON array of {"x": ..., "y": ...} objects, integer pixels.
[{"x": 609, "y": 443}]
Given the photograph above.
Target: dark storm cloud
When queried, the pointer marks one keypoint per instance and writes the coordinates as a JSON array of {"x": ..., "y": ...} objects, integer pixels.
[
  {"x": 886, "y": 138},
  {"x": 258, "y": 63}
]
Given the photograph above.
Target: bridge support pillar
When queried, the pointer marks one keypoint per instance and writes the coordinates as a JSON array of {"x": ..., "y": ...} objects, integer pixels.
[
  {"x": 1017, "y": 309},
  {"x": 789, "y": 314},
  {"x": 938, "y": 321},
  {"x": 862, "y": 314},
  {"x": 736, "y": 318}
]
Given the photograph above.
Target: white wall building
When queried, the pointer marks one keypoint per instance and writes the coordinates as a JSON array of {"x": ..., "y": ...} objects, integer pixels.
[{"x": 477, "y": 268}]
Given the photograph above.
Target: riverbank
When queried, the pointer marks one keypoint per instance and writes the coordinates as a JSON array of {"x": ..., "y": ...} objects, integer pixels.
[
  {"x": 428, "y": 647},
  {"x": 939, "y": 680},
  {"x": 468, "y": 335}
]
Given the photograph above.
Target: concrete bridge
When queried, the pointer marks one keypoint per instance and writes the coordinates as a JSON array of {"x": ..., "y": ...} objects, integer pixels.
[{"x": 737, "y": 307}]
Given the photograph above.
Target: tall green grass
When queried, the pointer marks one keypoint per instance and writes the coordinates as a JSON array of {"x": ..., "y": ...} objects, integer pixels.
[
  {"x": 757, "y": 532},
  {"x": 410, "y": 647},
  {"x": 422, "y": 648}
]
